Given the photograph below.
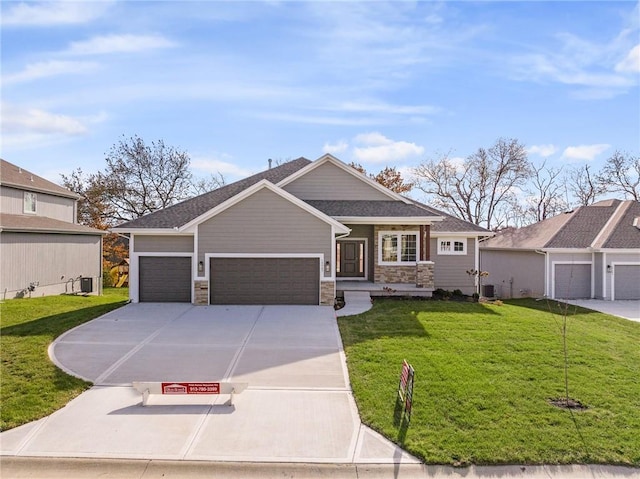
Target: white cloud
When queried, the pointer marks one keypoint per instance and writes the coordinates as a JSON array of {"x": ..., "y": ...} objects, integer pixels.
[
  {"x": 34, "y": 71},
  {"x": 542, "y": 150},
  {"x": 584, "y": 152},
  {"x": 381, "y": 107},
  {"x": 631, "y": 63},
  {"x": 219, "y": 163},
  {"x": 34, "y": 120},
  {"x": 337, "y": 148},
  {"x": 52, "y": 13},
  {"x": 126, "y": 43},
  {"x": 380, "y": 149}
]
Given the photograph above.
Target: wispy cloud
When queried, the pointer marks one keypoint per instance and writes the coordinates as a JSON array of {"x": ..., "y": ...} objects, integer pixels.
[
  {"x": 631, "y": 62},
  {"x": 219, "y": 163},
  {"x": 335, "y": 148},
  {"x": 377, "y": 148},
  {"x": 51, "y": 68},
  {"x": 125, "y": 43},
  {"x": 52, "y": 13},
  {"x": 584, "y": 152},
  {"x": 542, "y": 150}
]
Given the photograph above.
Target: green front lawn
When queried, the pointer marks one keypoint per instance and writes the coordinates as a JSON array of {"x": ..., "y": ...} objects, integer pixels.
[
  {"x": 32, "y": 386},
  {"x": 484, "y": 375}
]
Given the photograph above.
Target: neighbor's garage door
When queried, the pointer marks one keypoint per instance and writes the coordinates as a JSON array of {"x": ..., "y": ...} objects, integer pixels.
[
  {"x": 165, "y": 279},
  {"x": 264, "y": 281},
  {"x": 626, "y": 281},
  {"x": 572, "y": 281}
]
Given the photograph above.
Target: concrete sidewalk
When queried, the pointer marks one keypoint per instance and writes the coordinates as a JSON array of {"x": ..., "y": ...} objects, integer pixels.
[{"x": 298, "y": 407}]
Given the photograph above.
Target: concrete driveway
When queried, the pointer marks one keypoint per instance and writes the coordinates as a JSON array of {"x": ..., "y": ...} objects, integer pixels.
[
  {"x": 629, "y": 309},
  {"x": 298, "y": 407}
]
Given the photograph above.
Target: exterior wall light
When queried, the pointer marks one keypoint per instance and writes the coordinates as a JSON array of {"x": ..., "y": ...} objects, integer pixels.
[
  {"x": 327, "y": 267},
  {"x": 200, "y": 266},
  {"x": 608, "y": 268}
]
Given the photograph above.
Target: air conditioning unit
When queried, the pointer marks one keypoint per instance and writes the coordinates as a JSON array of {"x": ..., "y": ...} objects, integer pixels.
[{"x": 86, "y": 285}]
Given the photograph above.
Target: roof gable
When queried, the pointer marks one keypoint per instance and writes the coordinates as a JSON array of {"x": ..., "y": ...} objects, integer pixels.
[
  {"x": 16, "y": 177},
  {"x": 355, "y": 186},
  {"x": 261, "y": 185}
]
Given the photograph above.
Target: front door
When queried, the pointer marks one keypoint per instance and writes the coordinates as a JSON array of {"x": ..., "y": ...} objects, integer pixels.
[{"x": 350, "y": 256}]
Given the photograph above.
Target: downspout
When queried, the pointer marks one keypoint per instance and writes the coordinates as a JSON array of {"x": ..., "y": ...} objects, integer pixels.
[{"x": 546, "y": 271}]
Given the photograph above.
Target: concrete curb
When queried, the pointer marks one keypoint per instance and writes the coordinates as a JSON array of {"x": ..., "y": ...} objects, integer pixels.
[{"x": 69, "y": 468}]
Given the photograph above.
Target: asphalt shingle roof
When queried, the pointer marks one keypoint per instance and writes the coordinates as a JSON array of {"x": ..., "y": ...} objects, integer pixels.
[
  {"x": 182, "y": 213},
  {"x": 42, "y": 224},
  {"x": 369, "y": 208},
  {"x": 577, "y": 229},
  {"x": 15, "y": 176}
]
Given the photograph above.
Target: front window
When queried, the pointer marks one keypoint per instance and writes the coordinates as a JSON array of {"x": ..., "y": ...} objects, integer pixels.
[
  {"x": 452, "y": 246},
  {"x": 397, "y": 248},
  {"x": 30, "y": 201}
]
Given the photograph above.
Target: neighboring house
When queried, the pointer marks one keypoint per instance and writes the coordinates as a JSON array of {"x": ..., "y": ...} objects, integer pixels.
[
  {"x": 590, "y": 252},
  {"x": 299, "y": 233},
  {"x": 43, "y": 250}
]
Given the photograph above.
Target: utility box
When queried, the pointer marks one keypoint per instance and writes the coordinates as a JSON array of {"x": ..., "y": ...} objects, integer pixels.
[
  {"x": 86, "y": 285},
  {"x": 488, "y": 291}
]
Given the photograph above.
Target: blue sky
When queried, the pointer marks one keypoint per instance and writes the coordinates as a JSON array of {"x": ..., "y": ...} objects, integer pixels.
[{"x": 378, "y": 83}]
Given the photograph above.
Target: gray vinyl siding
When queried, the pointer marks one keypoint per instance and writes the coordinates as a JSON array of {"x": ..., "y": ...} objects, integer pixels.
[
  {"x": 450, "y": 271},
  {"x": 514, "y": 274},
  {"x": 51, "y": 206},
  {"x": 264, "y": 223},
  {"x": 597, "y": 279},
  {"x": 365, "y": 231},
  {"x": 162, "y": 244},
  {"x": 329, "y": 182},
  {"x": 50, "y": 259}
]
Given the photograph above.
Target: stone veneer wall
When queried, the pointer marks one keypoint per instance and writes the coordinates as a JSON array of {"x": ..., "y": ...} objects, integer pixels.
[
  {"x": 327, "y": 293},
  {"x": 201, "y": 293},
  {"x": 424, "y": 274},
  {"x": 392, "y": 274}
]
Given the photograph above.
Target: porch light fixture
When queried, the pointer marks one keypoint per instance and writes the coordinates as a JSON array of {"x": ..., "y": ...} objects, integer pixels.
[
  {"x": 200, "y": 266},
  {"x": 327, "y": 267},
  {"x": 608, "y": 268}
]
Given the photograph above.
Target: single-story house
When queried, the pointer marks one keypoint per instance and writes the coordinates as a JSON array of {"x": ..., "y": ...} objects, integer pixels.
[
  {"x": 590, "y": 252},
  {"x": 43, "y": 250},
  {"x": 299, "y": 233}
]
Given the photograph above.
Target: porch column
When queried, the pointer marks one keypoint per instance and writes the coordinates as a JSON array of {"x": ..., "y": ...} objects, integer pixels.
[{"x": 425, "y": 243}]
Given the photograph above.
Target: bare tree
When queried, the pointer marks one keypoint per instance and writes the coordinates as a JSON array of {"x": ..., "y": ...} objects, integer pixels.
[
  {"x": 140, "y": 178},
  {"x": 621, "y": 174},
  {"x": 389, "y": 177},
  {"x": 584, "y": 185},
  {"x": 204, "y": 185},
  {"x": 546, "y": 192},
  {"x": 481, "y": 188}
]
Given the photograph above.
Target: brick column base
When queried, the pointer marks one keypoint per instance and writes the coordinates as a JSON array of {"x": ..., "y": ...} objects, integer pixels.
[
  {"x": 327, "y": 293},
  {"x": 201, "y": 297},
  {"x": 424, "y": 274}
]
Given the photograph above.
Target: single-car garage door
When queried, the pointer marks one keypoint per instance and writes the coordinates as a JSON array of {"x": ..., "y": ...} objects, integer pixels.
[
  {"x": 626, "y": 279},
  {"x": 264, "y": 281},
  {"x": 572, "y": 281},
  {"x": 165, "y": 279}
]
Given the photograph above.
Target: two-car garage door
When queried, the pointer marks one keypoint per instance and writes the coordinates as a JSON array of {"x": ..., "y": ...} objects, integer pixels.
[{"x": 264, "y": 281}]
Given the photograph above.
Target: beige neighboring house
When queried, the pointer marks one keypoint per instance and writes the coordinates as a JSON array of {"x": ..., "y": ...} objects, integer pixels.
[
  {"x": 43, "y": 250},
  {"x": 590, "y": 252},
  {"x": 300, "y": 233}
]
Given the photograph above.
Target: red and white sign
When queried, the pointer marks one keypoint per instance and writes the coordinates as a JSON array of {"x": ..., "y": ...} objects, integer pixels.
[{"x": 190, "y": 388}]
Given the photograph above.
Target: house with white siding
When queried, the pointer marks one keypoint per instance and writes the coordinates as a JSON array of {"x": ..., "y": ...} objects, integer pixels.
[
  {"x": 43, "y": 250},
  {"x": 590, "y": 252},
  {"x": 300, "y": 233}
]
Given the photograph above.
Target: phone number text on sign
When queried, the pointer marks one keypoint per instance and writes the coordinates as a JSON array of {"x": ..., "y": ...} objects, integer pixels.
[{"x": 190, "y": 388}]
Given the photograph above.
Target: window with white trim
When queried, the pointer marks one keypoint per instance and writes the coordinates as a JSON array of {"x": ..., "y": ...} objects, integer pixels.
[
  {"x": 30, "y": 202},
  {"x": 397, "y": 247},
  {"x": 452, "y": 246}
]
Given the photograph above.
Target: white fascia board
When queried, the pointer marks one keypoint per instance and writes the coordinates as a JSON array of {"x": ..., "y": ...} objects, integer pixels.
[
  {"x": 457, "y": 234},
  {"x": 327, "y": 158},
  {"x": 340, "y": 228},
  {"x": 389, "y": 220},
  {"x": 619, "y": 250},
  {"x": 567, "y": 250}
]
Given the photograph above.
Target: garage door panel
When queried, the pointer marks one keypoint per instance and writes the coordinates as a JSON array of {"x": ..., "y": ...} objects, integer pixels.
[
  {"x": 165, "y": 279},
  {"x": 264, "y": 281},
  {"x": 626, "y": 281},
  {"x": 572, "y": 281}
]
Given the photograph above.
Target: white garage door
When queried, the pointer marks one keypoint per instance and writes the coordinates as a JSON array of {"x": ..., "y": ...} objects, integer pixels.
[
  {"x": 572, "y": 281},
  {"x": 626, "y": 281}
]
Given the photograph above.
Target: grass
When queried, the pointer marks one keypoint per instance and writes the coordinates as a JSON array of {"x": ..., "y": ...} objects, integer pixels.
[
  {"x": 31, "y": 385},
  {"x": 484, "y": 375}
]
